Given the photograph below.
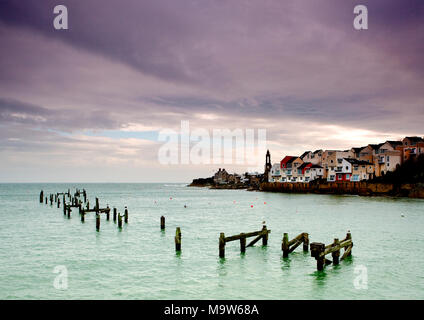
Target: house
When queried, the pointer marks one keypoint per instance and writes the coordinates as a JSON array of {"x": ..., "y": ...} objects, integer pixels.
[
  {"x": 343, "y": 171},
  {"x": 312, "y": 157},
  {"x": 314, "y": 172},
  {"x": 331, "y": 159},
  {"x": 356, "y": 151},
  {"x": 387, "y": 157},
  {"x": 301, "y": 170},
  {"x": 221, "y": 177},
  {"x": 289, "y": 167},
  {"x": 360, "y": 170},
  {"x": 275, "y": 173},
  {"x": 316, "y": 157},
  {"x": 306, "y": 156},
  {"x": 412, "y": 147}
]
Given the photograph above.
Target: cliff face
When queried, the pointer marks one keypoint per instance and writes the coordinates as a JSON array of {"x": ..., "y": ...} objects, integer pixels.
[{"x": 356, "y": 188}]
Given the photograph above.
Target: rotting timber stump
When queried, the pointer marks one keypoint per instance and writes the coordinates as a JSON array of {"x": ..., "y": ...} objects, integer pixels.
[
  {"x": 178, "y": 239},
  {"x": 262, "y": 234},
  {"x": 320, "y": 250},
  {"x": 289, "y": 246}
]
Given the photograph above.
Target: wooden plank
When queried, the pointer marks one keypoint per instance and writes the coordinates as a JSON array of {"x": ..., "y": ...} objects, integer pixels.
[
  {"x": 333, "y": 248},
  {"x": 298, "y": 243},
  {"x": 347, "y": 252},
  {"x": 255, "y": 240},
  {"x": 247, "y": 235}
]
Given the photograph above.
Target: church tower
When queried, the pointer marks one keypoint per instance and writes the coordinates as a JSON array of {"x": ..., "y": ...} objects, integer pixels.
[{"x": 268, "y": 165}]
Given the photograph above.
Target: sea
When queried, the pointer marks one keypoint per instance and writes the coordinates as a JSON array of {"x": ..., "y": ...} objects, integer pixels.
[{"x": 46, "y": 255}]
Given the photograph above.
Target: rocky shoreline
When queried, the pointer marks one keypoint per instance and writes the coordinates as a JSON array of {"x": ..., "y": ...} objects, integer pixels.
[
  {"x": 324, "y": 187},
  {"x": 352, "y": 188}
]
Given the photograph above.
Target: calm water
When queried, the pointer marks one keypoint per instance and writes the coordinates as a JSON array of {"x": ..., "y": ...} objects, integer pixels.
[{"x": 139, "y": 262}]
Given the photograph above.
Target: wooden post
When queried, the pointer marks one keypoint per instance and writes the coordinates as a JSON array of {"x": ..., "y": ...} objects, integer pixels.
[
  {"x": 222, "y": 245},
  {"x": 242, "y": 243},
  {"x": 69, "y": 211},
  {"x": 82, "y": 216},
  {"x": 97, "y": 204},
  {"x": 97, "y": 221},
  {"x": 316, "y": 249},
  {"x": 178, "y": 239},
  {"x": 285, "y": 245},
  {"x": 162, "y": 223},
  {"x": 114, "y": 214},
  {"x": 108, "y": 213},
  {"x": 126, "y": 215},
  {"x": 41, "y": 196},
  {"x": 336, "y": 254},
  {"x": 119, "y": 220},
  {"x": 46, "y": 200},
  {"x": 58, "y": 203},
  {"x": 305, "y": 242},
  {"x": 88, "y": 205},
  {"x": 265, "y": 236},
  {"x": 64, "y": 209}
]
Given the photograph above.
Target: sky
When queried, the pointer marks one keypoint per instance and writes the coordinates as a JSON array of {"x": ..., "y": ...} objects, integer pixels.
[{"x": 87, "y": 104}]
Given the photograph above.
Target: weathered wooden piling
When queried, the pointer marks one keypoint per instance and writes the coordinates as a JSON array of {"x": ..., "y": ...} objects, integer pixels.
[
  {"x": 285, "y": 245},
  {"x": 242, "y": 243},
  {"x": 348, "y": 249},
  {"x": 114, "y": 214},
  {"x": 262, "y": 234},
  {"x": 58, "y": 203},
  {"x": 97, "y": 221},
  {"x": 126, "y": 215},
  {"x": 64, "y": 208},
  {"x": 69, "y": 211},
  {"x": 162, "y": 223},
  {"x": 289, "y": 246},
  {"x": 88, "y": 205},
  {"x": 97, "y": 204},
  {"x": 82, "y": 216},
  {"x": 265, "y": 236},
  {"x": 119, "y": 220},
  {"x": 317, "y": 249},
  {"x": 41, "y": 196},
  {"x": 178, "y": 239},
  {"x": 108, "y": 213},
  {"x": 46, "y": 200},
  {"x": 336, "y": 254},
  {"x": 222, "y": 245},
  {"x": 305, "y": 242}
]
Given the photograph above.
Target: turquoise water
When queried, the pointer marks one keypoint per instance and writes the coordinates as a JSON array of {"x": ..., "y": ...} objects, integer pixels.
[{"x": 139, "y": 262}]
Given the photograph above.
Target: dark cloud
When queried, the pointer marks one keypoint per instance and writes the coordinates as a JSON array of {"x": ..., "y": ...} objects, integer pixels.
[{"x": 293, "y": 67}]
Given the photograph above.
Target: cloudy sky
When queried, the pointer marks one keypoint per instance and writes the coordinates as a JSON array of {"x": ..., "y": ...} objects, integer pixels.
[{"x": 86, "y": 104}]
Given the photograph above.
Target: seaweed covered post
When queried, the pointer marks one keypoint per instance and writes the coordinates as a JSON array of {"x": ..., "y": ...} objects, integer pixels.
[
  {"x": 178, "y": 239},
  {"x": 97, "y": 221},
  {"x": 222, "y": 245},
  {"x": 162, "y": 223}
]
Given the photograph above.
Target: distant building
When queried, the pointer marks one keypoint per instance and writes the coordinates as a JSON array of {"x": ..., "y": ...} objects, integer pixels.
[{"x": 221, "y": 177}]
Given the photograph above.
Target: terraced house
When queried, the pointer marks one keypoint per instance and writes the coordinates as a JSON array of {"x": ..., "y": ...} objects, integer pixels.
[{"x": 355, "y": 164}]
